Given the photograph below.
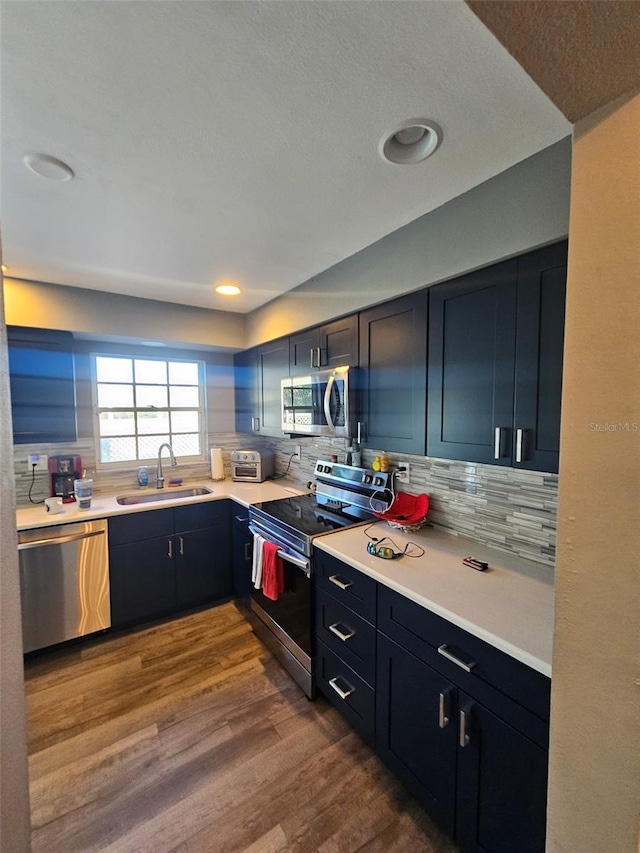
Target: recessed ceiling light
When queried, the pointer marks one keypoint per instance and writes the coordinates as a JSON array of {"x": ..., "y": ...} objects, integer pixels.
[
  {"x": 151, "y": 344},
  {"x": 410, "y": 142},
  {"x": 228, "y": 289},
  {"x": 48, "y": 167}
]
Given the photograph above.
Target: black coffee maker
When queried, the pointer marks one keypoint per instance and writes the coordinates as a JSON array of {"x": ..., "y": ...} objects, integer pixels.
[{"x": 64, "y": 471}]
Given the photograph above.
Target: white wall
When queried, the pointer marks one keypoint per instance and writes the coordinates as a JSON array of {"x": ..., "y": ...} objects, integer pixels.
[
  {"x": 14, "y": 794},
  {"x": 525, "y": 207},
  {"x": 594, "y": 785},
  {"x": 53, "y": 306}
]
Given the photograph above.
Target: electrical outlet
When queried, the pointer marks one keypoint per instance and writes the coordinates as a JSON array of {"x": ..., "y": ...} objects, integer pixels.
[
  {"x": 39, "y": 460},
  {"x": 298, "y": 450},
  {"x": 402, "y": 472}
]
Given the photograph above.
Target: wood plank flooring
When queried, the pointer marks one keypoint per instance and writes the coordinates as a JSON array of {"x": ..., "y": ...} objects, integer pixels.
[{"x": 188, "y": 737}]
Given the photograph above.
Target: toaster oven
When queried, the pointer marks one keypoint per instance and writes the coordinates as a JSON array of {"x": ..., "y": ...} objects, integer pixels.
[{"x": 251, "y": 466}]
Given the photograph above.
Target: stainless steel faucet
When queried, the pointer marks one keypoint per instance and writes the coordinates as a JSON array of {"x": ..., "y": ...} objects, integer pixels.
[{"x": 159, "y": 477}]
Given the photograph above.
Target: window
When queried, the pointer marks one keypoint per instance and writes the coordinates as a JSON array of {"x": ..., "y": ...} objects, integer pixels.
[{"x": 140, "y": 403}]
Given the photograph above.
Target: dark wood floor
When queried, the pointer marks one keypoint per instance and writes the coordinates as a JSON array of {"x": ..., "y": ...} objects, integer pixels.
[{"x": 188, "y": 737}]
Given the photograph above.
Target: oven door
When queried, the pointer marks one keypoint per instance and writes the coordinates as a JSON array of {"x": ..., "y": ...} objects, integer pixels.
[{"x": 284, "y": 625}]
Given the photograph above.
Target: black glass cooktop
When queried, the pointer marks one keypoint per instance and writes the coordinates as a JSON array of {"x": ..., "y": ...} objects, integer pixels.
[{"x": 305, "y": 514}]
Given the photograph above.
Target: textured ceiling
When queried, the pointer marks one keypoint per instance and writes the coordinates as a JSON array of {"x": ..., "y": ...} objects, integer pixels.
[
  {"x": 582, "y": 54},
  {"x": 238, "y": 140}
]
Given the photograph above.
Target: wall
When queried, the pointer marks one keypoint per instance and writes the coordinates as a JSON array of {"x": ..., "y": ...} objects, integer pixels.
[
  {"x": 594, "y": 786},
  {"x": 524, "y": 207},
  {"x": 14, "y": 793},
  {"x": 52, "y": 306},
  {"x": 220, "y": 424},
  {"x": 514, "y": 511}
]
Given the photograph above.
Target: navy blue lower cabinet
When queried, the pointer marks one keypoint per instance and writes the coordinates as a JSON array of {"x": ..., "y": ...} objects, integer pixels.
[
  {"x": 242, "y": 555},
  {"x": 416, "y": 728},
  {"x": 501, "y": 785},
  {"x": 143, "y": 581},
  {"x": 349, "y": 693},
  {"x": 203, "y": 566}
]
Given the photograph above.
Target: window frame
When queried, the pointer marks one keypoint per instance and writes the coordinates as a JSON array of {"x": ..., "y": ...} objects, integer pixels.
[{"x": 129, "y": 464}]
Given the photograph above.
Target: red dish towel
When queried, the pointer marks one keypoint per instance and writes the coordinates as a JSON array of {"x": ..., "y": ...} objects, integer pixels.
[{"x": 272, "y": 571}]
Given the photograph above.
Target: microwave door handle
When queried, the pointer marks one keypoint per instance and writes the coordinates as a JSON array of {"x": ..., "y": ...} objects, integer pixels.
[{"x": 327, "y": 401}]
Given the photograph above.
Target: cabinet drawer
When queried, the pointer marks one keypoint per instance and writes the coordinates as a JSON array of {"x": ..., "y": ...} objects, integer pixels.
[
  {"x": 423, "y": 633},
  {"x": 200, "y": 515},
  {"x": 347, "y": 635},
  {"x": 347, "y": 691},
  {"x": 348, "y": 585},
  {"x": 136, "y": 526}
]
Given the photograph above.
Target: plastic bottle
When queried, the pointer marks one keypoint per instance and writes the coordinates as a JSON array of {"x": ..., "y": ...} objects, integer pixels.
[
  {"x": 384, "y": 462},
  {"x": 143, "y": 477}
]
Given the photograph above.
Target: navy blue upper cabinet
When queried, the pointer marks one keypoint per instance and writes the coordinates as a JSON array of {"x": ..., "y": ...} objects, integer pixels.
[
  {"x": 333, "y": 344},
  {"x": 43, "y": 397},
  {"x": 495, "y": 363},
  {"x": 393, "y": 352},
  {"x": 258, "y": 373}
]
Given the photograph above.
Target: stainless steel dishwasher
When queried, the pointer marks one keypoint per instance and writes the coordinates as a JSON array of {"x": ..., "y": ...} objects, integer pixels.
[{"x": 64, "y": 582}]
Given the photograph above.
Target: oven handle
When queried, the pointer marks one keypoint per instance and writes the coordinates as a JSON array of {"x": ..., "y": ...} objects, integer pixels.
[{"x": 300, "y": 562}]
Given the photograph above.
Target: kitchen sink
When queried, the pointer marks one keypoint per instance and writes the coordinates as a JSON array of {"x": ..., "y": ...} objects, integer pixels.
[{"x": 158, "y": 496}]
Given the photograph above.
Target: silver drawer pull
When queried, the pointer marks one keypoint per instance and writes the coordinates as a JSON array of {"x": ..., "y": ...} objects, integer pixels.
[
  {"x": 443, "y": 718},
  {"x": 337, "y": 580},
  {"x": 335, "y": 629},
  {"x": 466, "y": 665},
  {"x": 465, "y": 740},
  {"x": 519, "y": 439},
  {"x": 333, "y": 682}
]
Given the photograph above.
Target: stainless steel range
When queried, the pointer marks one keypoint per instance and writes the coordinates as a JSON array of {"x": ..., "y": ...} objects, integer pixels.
[{"x": 344, "y": 496}]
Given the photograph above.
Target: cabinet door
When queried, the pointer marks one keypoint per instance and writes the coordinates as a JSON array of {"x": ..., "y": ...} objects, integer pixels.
[
  {"x": 393, "y": 341},
  {"x": 502, "y": 785},
  {"x": 273, "y": 366},
  {"x": 338, "y": 343},
  {"x": 242, "y": 554},
  {"x": 539, "y": 346},
  {"x": 303, "y": 351},
  {"x": 472, "y": 335},
  {"x": 203, "y": 566},
  {"x": 245, "y": 369},
  {"x": 142, "y": 577},
  {"x": 416, "y": 728},
  {"x": 43, "y": 398}
]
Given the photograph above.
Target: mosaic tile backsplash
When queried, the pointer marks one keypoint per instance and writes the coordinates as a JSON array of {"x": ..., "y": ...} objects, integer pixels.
[{"x": 509, "y": 509}]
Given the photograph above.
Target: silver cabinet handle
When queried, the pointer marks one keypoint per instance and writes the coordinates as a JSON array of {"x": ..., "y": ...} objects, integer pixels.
[
  {"x": 344, "y": 635},
  {"x": 319, "y": 360},
  {"x": 337, "y": 580},
  {"x": 170, "y": 549},
  {"x": 241, "y": 518},
  {"x": 466, "y": 665},
  {"x": 361, "y": 431},
  {"x": 311, "y": 353},
  {"x": 497, "y": 441},
  {"x": 333, "y": 682},
  {"x": 247, "y": 550},
  {"x": 443, "y": 709},
  {"x": 465, "y": 739},
  {"x": 255, "y": 424},
  {"x": 181, "y": 546},
  {"x": 519, "y": 437}
]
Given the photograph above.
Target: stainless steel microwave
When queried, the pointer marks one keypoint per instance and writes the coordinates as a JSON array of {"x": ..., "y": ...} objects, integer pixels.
[{"x": 317, "y": 404}]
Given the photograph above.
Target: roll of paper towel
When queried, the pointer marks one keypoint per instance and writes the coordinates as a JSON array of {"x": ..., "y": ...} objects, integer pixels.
[{"x": 217, "y": 465}]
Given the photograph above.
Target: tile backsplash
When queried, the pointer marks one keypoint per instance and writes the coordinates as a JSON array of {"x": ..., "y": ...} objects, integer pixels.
[{"x": 510, "y": 509}]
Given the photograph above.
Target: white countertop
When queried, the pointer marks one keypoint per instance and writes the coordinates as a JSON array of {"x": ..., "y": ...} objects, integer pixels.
[
  {"x": 105, "y": 505},
  {"x": 509, "y": 606}
]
